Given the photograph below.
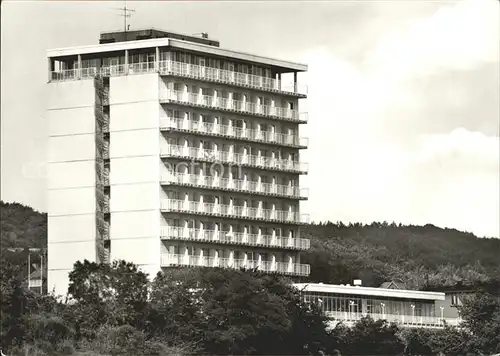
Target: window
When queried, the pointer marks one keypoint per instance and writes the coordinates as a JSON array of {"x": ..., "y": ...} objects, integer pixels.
[{"x": 456, "y": 300}]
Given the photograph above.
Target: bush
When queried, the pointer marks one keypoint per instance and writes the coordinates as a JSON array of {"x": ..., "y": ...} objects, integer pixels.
[
  {"x": 47, "y": 331},
  {"x": 122, "y": 340},
  {"x": 66, "y": 347}
]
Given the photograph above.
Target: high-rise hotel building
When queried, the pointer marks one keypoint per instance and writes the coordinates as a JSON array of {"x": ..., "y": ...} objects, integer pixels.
[{"x": 167, "y": 150}]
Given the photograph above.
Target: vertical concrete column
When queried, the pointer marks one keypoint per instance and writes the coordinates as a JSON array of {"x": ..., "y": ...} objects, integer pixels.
[
  {"x": 291, "y": 139},
  {"x": 185, "y": 121},
  {"x": 216, "y": 204},
  {"x": 215, "y": 102},
  {"x": 157, "y": 59},
  {"x": 243, "y": 128},
  {"x": 245, "y": 233},
  {"x": 50, "y": 65},
  {"x": 126, "y": 69},
  {"x": 279, "y": 81},
  {"x": 216, "y": 128},
  {"x": 230, "y": 101},
  {"x": 186, "y": 254},
  {"x": 245, "y": 181},
  {"x": 230, "y": 153},
  {"x": 216, "y": 258},
  {"x": 290, "y": 262},
  {"x": 79, "y": 71},
  {"x": 230, "y": 179},
  {"x": 258, "y": 159},
  {"x": 230, "y": 207},
  {"x": 201, "y": 150},
  {"x": 245, "y": 259},
  {"x": 201, "y": 205},
  {"x": 216, "y": 232},
  {"x": 260, "y": 210},
  {"x": 185, "y": 232},
  {"x": 201, "y": 99},
  {"x": 245, "y": 208},
  {"x": 201, "y": 230},
  {"x": 231, "y": 258},
  {"x": 185, "y": 94},
  {"x": 295, "y": 86}
]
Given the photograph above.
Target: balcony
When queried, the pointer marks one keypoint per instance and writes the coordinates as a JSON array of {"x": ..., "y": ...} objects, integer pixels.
[
  {"x": 296, "y": 269},
  {"x": 236, "y": 106},
  {"x": 231, "y": 211},
  {"x": 189, "y": 71},
  {"x": 209, "y": 129},
  {"x": 235, "y": 185},
  {"x": 233, "y": 238},
  {"x": 233, "y": 158},
  {"x": 244, "y": 80},
  {"x": 404, "y": 320},
  {"x": 73, "y": 74}
]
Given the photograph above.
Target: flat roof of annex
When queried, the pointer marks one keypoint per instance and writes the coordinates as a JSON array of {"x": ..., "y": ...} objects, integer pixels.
[
  {"x": 280, "y": 65},
  {"x": 369, "y": 291}
]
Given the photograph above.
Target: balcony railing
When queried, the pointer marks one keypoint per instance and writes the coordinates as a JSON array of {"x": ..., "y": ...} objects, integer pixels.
[
  {"x": 185, "y": 70},
  {"x": 73, "y": 74},
  {"x": 263, "y": 266},
  {"x": 192, "y": 207},
  {"x": 230, "y": 77},
  {"x": 219, "y": 103},
  {"x": 170, "y": 123},
  {"x": 233, "y": 158},
  {"x": 235, "y": 238},
  {"x": 405, "y": 320},
  {"x": 215, "y": 183}
]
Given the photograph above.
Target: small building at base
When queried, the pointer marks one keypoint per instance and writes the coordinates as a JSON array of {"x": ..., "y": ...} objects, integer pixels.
[{"x": 347, "y": 304}]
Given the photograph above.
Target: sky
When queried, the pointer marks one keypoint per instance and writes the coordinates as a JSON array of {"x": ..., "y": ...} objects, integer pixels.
[{"x": 403, "y": 97}]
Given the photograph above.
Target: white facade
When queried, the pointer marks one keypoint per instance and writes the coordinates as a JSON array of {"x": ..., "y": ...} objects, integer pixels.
[
  {"x": 170, "y": 153},
  {"x": 71, "y": 184},
  {"x": 408, "y": 308}
]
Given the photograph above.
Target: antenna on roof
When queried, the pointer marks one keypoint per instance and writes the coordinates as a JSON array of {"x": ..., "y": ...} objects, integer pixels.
[{"x": 126, "y": 14}]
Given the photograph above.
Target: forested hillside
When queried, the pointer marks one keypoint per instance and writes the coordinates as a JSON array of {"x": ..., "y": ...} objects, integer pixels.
[
  {"x": 418, "y": 255},
  {"x": 21, "y": 226}
]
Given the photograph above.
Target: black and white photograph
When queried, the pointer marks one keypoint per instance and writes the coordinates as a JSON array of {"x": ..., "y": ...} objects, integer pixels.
[{"x": 237, "y": 177}]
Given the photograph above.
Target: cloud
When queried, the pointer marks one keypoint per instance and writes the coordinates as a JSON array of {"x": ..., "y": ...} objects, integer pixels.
[
  {"x": 395, "y": 137},
  {"x": 457, "y": 37}
]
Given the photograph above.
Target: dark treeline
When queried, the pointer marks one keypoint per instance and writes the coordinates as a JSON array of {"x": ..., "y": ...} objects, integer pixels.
[
  {"x": 422, "y": 256},
  {"x": 115, "y": 310}
]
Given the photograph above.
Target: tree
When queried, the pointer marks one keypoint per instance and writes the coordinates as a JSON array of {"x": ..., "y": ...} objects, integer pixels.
[
  {"x": 13, "y": 306},
  {"x": 373, "y": 337},
  {"x": 113, "y": 294},
  {"x": 481, "y": 318}
]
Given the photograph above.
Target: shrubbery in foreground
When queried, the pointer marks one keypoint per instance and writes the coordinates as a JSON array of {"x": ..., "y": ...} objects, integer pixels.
[{"x": 114, "y": 310}]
